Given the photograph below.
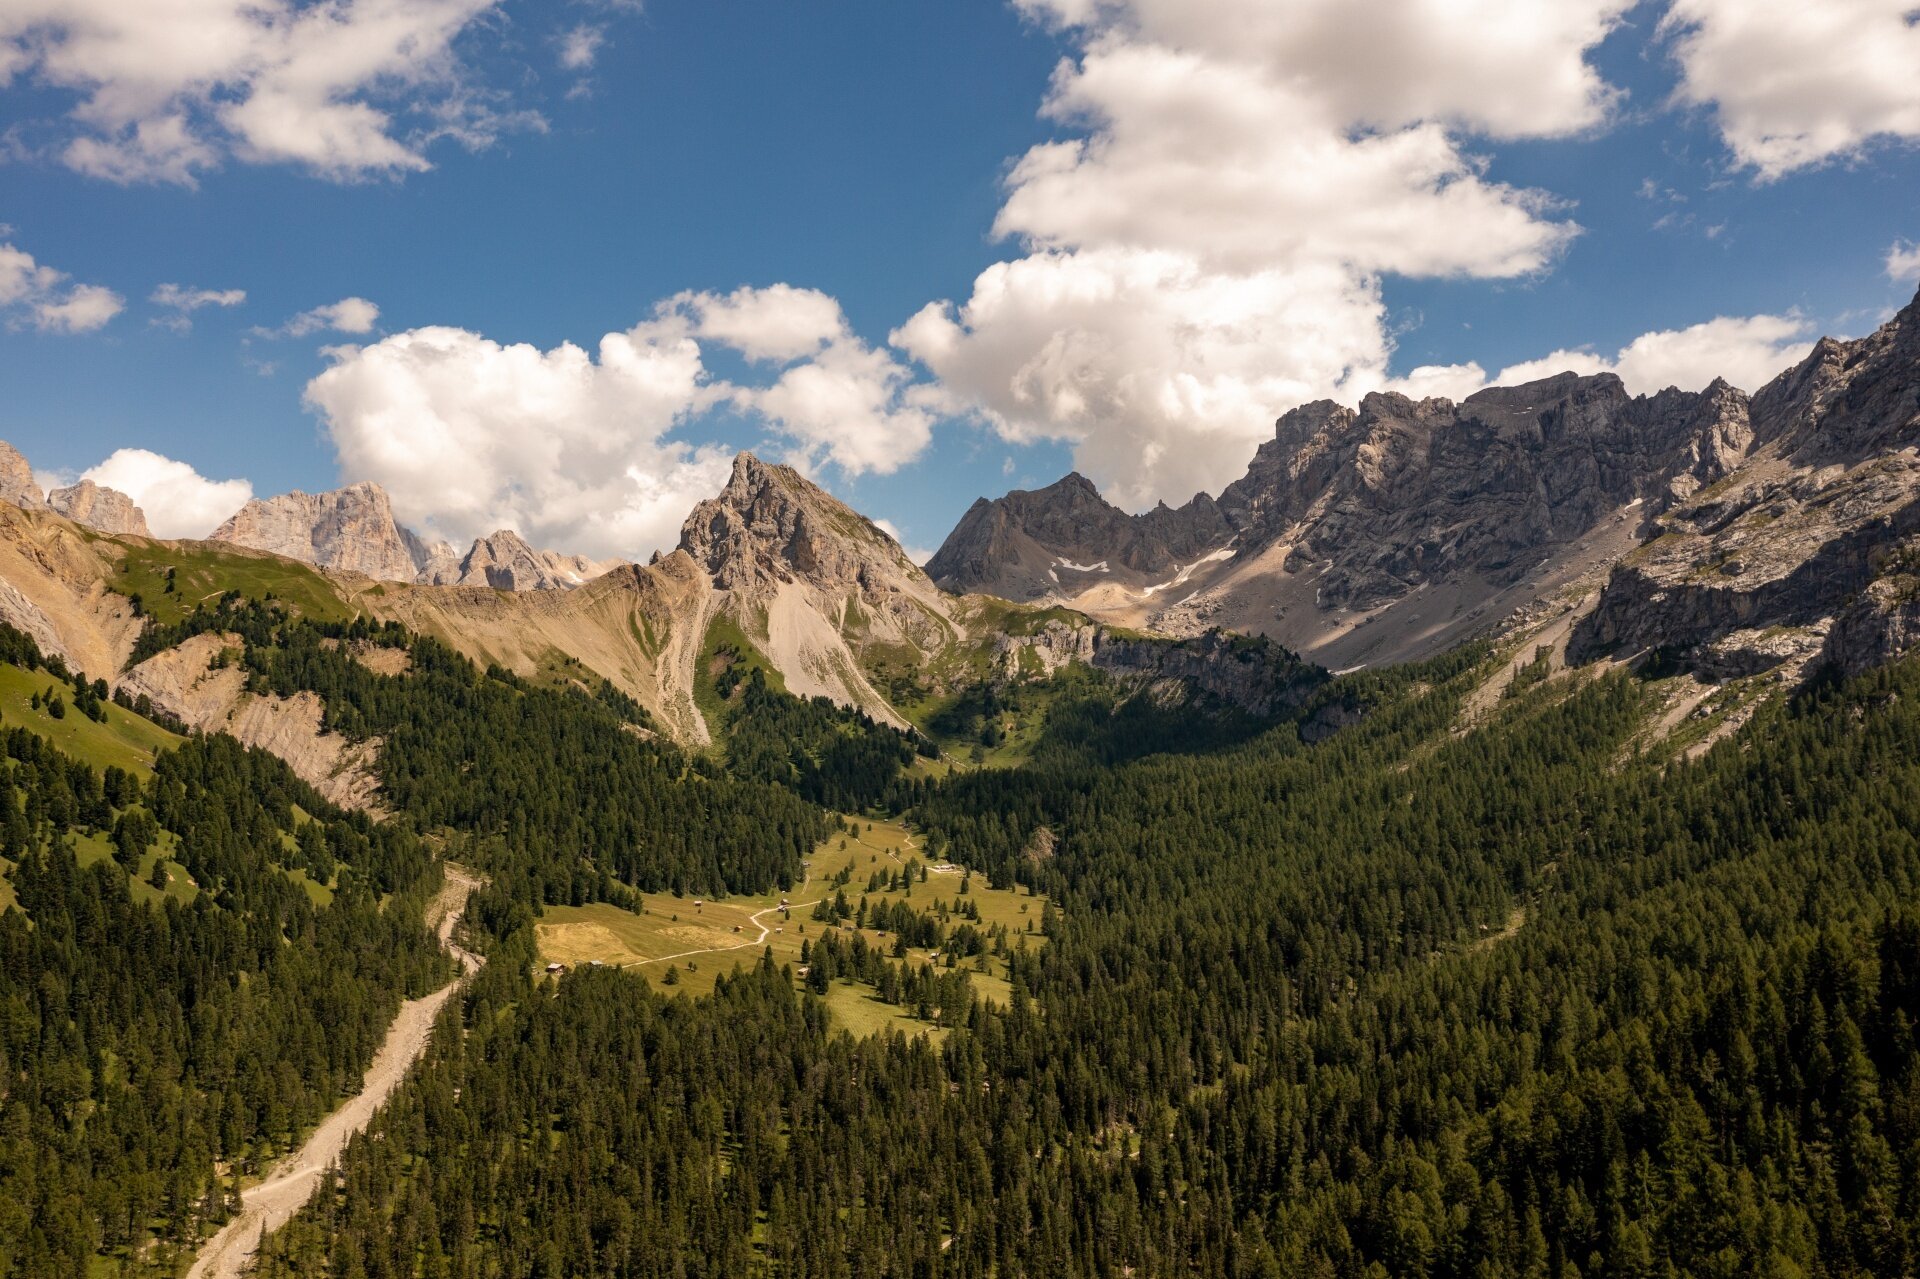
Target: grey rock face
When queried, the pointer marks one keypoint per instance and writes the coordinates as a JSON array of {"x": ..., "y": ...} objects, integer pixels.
[
  {"x": 812, "y": 580},
  {"x": 505, "y": 562},
  {"x": 351, "y": 529},
  {"x": 1245, "y": 673},
  {"x": 1395, "y": 495},
  {"x": 771, "y": 525},
  {"x": 1014, "y": 546},
  {"x": 17, "y": 484},
  {"x": 1404, "y": 493},
  {"x": 1249, "y": 674},
  {"x": 1817, "y": 535},
  {"x": 104, "y": 509}
]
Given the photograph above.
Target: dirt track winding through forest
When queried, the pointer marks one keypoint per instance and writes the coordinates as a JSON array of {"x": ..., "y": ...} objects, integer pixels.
[
  {"x": 765, "y": 932},
  {"x": 266, "y": 1206}
]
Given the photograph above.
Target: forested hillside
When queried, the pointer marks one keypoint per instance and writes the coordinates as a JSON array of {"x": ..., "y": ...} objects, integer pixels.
[
  {"x": 560, "y": 787},
  {"x": 1528, "y": 1001},
  {"x": 199, "y": 960}
]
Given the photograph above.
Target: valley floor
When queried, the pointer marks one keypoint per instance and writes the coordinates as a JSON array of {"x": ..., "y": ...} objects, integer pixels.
[{"x": 700, "y": 939}]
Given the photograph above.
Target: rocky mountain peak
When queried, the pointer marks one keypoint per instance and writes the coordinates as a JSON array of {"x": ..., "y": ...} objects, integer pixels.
[
  {"x": 104, "y": 509},
  {"x": 352, "y": 529},
  {"x": 1021, "y": 545},
  {"x": 811, "y": 581},
  {"x": 17, "y": 484},
  {"x": 1348, "y": 512},
  {"x": 505, "y": 561},
  {"x": 1805, "y": 555},
  {"x": 1846, "y": 400},
  {"x": 770, "y": 524}
]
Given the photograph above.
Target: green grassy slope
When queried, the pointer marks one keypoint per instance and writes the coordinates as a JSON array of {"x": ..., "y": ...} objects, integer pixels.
[
  {"x": 125, "y": 740},
  {"x": 203, "y": 573}
]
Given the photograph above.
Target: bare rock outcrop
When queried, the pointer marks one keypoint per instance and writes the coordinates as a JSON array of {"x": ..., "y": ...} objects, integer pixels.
[
  {"x": 17, "y": 484},
  {"x": 352, "y": 529},
  {"x": 1216, "y": 670},
  {"x": 1402, "y": 493},
  {"x": 1373, "y": 533},
  {"x": 105, "y": 510},
  {"x": 813, "y": 582},
  {"x": 1028, "y": 545},
  {"x": 192, "y": 683},
  {"x": 1809, "y": 549},
  {"x": 506, "y": 562},
  {"x": 54, "y": 586}
]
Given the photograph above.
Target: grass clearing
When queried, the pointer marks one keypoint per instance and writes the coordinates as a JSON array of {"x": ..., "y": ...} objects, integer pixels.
[
  {"x": 88, "y": 849},
  {"x": 723, "y": 633},
  {"x": 700, "y": 939},
  {"x": 202, "y": 574},
  {"x": 124, "y": 740}
]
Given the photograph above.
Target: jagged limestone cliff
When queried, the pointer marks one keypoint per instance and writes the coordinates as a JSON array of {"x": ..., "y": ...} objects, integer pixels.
[
  {"x": 104, "y": 510},
  {"x": 352, "y": 529},
  {"x": 1807, "y": 554},
  {"x": 813, "y": 583},
  {"x": 1383, "y": 532}
]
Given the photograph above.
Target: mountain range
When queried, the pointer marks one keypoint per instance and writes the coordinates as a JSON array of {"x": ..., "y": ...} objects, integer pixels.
[
  {"x": 1737, "y": 534},
  {"x": 1749, "y": 531}
]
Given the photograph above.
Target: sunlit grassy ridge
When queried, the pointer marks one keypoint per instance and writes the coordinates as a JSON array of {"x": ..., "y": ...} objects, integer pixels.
[{"x": 201, "y": 574}]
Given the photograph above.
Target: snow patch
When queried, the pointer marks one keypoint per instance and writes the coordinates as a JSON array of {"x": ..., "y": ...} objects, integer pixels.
[{"x": 1212, "y": 557}]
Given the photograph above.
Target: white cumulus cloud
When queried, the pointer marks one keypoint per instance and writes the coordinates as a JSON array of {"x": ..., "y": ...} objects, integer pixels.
[
  {"x": 348, "y": 315},
  {"x": 1793, "y": 84},
  {"x": 1164, "y": 375},
  {"x": 1208, "y": 251},
  {"x": 469, "y": 435},
  {"x": 1494, "y": 67},
  {"x": 34, "y": 293},
  {"x": 1745, "y": 350},
  {"x": 164, "y": 89},
  {"x": 574, "y": 449},
  {"x": 178, "y": 500},
  {"x": 777, "y": 323},
  {"x": 183, "y": 300},
  {"x": 834, "y": 397}
]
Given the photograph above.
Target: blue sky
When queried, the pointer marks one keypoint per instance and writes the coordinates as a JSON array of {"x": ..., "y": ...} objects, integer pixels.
[{"x": 1227, "y": 212}]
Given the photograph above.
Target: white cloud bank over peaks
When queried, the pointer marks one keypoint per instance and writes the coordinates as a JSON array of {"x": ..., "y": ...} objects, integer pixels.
[
  {"x": 36, "y": 294},
  {"x": 573, "y": 449},
  {"x": 166, "y": 88},
  {"x": 1793, "y": 83},
  {"x": 1208, "y": 253},
  {"x": 1747, "y": 351},
  {"x": 178, "y": 500}
]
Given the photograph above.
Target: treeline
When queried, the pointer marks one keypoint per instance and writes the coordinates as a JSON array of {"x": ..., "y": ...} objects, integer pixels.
[{"x": 154, "y": 1050}]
